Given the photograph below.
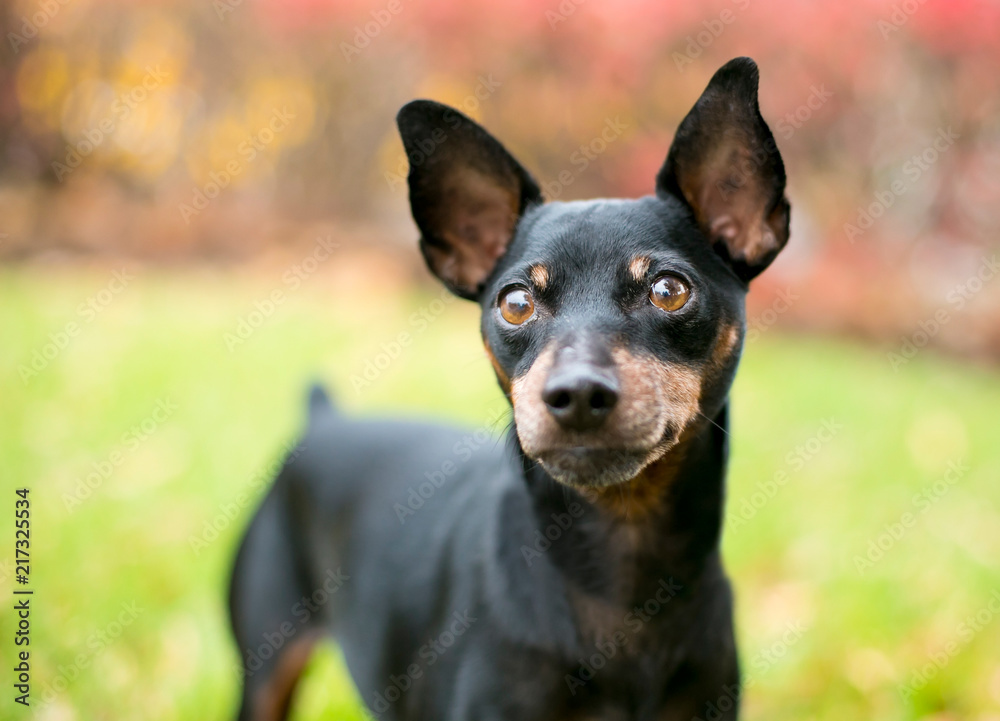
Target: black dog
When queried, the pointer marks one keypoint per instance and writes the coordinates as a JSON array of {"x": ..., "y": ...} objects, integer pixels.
[{"x": 574, "y": 573}]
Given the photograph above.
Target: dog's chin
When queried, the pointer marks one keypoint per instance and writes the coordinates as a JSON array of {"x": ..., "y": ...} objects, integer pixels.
[{"x": 593, "y": 467}]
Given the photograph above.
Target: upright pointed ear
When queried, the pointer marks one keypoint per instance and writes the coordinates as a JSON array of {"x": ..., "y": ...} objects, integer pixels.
[
  {"x": 725, "y": 165},
  {"x": 467, "y": 193}
]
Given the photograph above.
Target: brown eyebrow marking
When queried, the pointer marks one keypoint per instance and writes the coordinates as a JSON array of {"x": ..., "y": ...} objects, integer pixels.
[
  {"x": 639, "y": 266},
  {"x": 539, "y": 276}
]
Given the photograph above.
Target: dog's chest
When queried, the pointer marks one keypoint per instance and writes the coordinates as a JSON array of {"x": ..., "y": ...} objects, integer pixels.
[
  {"x": 626, "y": 657},
  {"x": 639, "y": 602}
]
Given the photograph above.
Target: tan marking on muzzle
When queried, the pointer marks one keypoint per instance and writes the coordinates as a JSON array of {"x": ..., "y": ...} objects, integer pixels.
[
  {"x": 526, "y": 393},
  {"x": 539, "y": 276},
  {"x": 638, "y": 267},
  {"x": 653, "y": 386},
  {"x": 635, "y": 500},
  {"x": 646, "y": 493},
  {"x": 654, "y": 398}
]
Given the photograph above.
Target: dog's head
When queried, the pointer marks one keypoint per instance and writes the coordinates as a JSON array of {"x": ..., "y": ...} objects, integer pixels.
[{"x": 614, "y": 326}]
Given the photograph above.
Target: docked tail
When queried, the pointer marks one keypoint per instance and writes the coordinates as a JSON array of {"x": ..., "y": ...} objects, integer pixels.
[{"x": 319, "y": 401}]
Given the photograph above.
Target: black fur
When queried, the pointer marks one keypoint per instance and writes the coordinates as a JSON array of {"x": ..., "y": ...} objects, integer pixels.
[{"x": 473, "y": 586}]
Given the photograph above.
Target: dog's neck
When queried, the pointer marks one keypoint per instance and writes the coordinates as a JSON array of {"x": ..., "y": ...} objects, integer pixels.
[{"x": 665, "y": 522}]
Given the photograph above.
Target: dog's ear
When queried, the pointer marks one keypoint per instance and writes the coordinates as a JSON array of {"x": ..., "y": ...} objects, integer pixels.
[
  {"x": 467, "y": 193},
  {"x": 725, "y": 165}
]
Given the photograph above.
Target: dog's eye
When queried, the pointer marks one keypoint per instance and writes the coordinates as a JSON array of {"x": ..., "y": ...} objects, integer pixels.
[
  {"x": 669, "y": 293},
  {"x": 516, "y": 305}
]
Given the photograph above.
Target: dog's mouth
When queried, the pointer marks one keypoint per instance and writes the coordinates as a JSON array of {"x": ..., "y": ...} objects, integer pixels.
[
  {"x": 655, "y": 402},
  {"x": 588, "y": 467}
]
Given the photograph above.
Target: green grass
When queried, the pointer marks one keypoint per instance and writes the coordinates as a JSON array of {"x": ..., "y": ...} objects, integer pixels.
[{"x": 794, "y": 561}]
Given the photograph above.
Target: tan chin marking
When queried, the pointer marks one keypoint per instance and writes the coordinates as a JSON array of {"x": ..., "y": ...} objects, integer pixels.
[
  {"x": 638, "y": 267},
  {"x": 539, "y": 275},
  {"x": 645, "y": 494}
]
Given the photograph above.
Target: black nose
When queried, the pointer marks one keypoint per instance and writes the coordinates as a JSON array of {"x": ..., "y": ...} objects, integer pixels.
[{"x": 580, "y": 398}]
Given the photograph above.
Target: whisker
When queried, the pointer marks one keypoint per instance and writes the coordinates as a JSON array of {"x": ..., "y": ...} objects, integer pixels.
[
  {"x": 713, "y": 422},
  {"x": 504, "y": 418}
]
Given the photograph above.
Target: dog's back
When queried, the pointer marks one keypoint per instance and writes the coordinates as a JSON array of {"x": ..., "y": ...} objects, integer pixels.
[{"x": 409, "y": 503}]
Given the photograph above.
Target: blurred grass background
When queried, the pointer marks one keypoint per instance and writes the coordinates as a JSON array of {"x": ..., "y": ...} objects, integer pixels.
[
  {"x": 860, "y": 569},
  {"x": 793, "y": 562}
]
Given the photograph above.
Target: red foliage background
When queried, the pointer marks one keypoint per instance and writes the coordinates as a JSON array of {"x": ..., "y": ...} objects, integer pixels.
[{"x": 853, "y": 91}]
